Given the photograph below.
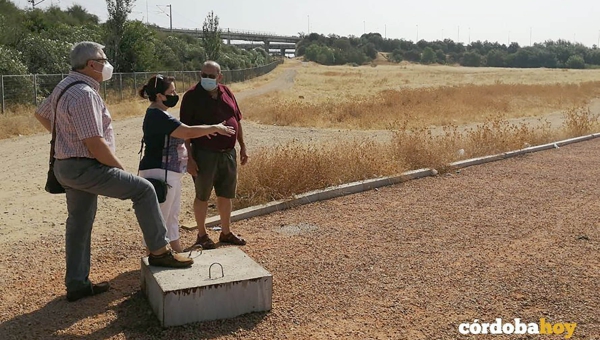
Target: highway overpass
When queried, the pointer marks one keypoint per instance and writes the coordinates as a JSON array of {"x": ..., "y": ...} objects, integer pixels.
[{"x": 270, "y": 40}]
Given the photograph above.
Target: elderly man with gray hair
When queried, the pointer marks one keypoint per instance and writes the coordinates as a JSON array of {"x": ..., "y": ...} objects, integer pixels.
[{"x": 86, "y": 166}]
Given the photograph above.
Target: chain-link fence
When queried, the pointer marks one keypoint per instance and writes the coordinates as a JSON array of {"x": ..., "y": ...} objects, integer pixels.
[{"x": 31, "y": 89}]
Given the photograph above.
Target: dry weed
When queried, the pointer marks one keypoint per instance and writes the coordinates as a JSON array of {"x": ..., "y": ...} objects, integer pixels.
[
  {"x": 281, "y": 172},
  {"x": 421, "y": 107}
]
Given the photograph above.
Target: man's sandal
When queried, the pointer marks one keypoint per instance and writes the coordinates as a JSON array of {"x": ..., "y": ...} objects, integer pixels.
[{"x": 232, "y": 238}]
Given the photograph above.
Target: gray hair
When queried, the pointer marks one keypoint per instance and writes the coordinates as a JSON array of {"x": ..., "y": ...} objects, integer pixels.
[
  {"x": 84, "y": 51},
  {"x": 212, "y": 64}
]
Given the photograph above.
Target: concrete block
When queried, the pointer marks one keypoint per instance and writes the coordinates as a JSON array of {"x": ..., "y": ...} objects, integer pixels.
[{"x": 182, "y": 296}]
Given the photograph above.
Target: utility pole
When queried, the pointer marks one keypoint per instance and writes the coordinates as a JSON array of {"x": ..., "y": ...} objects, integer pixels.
[
  {"x": 417, "y": 34},
  {"x": 458, "y": 36},
  {"x": 364, "y": 27},
  {"x": 530, "y": 32},
  {"x": 508, "y": 37},
  {"x": 469, "y": 35},
  {"x": 171, "y": 16},
  {"x": 385, "y": 31},
  {"x": 33, "y": 3},
  {"x": 308, "y": 27},
  {"x": 147, "y": 13}
]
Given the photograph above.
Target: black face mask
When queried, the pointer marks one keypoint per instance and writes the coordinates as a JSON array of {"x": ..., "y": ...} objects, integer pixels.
[{"x": 171, "y": 101}]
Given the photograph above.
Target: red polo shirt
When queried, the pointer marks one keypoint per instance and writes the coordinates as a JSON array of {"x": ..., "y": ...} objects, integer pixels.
[{"x": 199, "y": 108}]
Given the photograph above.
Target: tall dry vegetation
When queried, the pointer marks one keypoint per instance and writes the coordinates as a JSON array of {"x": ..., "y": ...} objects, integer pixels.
[
  {"x": 426, "y": 106},
  {"x": 294, "y": 168},
  {"x": 281, "y": 172}
]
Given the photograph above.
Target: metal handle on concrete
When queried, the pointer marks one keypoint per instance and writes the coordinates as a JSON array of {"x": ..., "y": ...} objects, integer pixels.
[
  {"x": 196, "y": 248},
  {"x": 209, "y": 268}
]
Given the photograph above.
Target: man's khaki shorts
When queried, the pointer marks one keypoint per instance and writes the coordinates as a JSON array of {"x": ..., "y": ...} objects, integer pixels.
[{"x": 216, "y": 169}]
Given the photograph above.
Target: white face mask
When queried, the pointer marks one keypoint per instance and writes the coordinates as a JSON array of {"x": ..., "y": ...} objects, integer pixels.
[
  {"x": 208, "y": 84},
  {"x": 107, "y": 71}
]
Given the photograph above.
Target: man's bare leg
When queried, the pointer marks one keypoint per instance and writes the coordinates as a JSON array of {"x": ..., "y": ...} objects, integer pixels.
[
  {"x": 224, "y": 206},
  {"x": 200, "y": 211}
]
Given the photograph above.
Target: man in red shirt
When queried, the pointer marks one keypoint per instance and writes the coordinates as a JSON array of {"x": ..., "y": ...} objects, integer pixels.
[{"x": 213, "y": 158}]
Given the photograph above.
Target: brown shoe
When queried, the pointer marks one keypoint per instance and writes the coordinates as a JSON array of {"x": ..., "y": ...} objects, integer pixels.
[
  {"x": 170, "y": 259},
  {"x": 232, "y": 238},
  {"x": 204, "y": 242}
]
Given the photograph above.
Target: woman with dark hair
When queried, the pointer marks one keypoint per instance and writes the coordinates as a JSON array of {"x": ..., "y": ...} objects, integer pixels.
[{"x": 165, "y": 154}]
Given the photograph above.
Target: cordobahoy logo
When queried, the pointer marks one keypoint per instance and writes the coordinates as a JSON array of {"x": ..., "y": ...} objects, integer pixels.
[{"x": 518, "y": 327}]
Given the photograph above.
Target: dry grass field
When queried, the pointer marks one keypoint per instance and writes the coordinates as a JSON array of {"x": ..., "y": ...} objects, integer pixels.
[{"x": 381, "y": 97}]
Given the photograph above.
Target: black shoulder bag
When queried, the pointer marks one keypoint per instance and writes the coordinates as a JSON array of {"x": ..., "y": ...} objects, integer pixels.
[
  {"x": 160, "y": 187},
  {"x": 52, "y": 184}
]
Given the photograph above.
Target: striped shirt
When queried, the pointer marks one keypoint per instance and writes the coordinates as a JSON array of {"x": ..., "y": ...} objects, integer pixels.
[{"x": 80, "y": 114}]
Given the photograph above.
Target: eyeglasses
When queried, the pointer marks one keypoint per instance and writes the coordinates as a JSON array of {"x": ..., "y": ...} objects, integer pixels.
[
  {"x": 206, "y": 75},
  {"x": 100, "y": 60},
  {"x": 156, "y": 78}
]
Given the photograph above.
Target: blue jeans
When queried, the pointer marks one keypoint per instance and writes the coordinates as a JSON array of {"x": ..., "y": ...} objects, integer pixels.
[{"x": 84, "y": 179}]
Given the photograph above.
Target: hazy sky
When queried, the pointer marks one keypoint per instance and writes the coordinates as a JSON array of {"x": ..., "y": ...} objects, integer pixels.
[{"x": 502, "y": 21}]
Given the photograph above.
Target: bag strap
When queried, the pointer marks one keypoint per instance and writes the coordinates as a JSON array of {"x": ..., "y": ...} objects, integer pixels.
[
  {"x": 167, "y": 140},
  {"x": 53, "y": 140},
  {"x": 140, "y": 153}
]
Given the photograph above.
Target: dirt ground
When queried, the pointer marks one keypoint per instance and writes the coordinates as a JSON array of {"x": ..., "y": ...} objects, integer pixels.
[{"x": 513, "y": 239}]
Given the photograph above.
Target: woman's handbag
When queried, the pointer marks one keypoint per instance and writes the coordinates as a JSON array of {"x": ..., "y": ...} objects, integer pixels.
[
  {"x": 52, "y": 185},
  {"x": 161, "y": 187}
]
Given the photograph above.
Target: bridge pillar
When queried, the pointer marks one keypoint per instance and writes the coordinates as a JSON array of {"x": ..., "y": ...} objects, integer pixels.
[
  {"x": 267, "y": 45},
  {"x": 228, "y": 41},
  {"x": 283, "y": 52}
]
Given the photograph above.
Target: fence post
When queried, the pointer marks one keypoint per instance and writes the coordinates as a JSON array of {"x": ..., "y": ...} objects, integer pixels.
[
  {"x": 121, "y": 85},
  {"x": 134, "y": 83},
  {"x": 2, "y": 91},
  {"x": 35, "y": 89}
]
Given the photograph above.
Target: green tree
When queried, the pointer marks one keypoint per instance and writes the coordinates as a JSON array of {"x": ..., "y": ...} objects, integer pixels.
[
  {"x": 81, "y": 15},
  {"x": 575, "y": 61},
  {"x": 428, "y": 56},
  {"x": 137, "y": 48},
  {"x": 16, "y": 88},
  {"x": 440, "y": 57},
  {"x": 211, "y": 36},
  {"x": 118, "y": 11},
  {"x": 12, "y": 28},
  {"x": 45, "y": 55},
  {"x": 496, "y": 58},
  {"x": 10, "y": 61},
  {"x": 413, "y": 55},
  {"x": 397, "y": 55},
  {"x": 472, "y": 59}
]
